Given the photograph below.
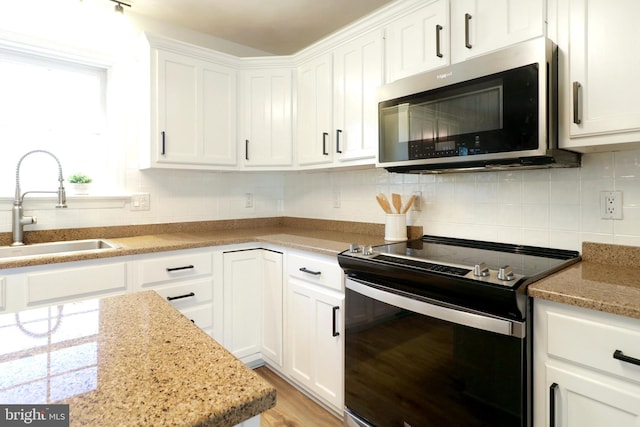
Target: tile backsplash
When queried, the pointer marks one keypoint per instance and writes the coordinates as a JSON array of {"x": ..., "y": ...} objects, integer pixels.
[
  {"x": 549, "y": 207},
  {"x": 555, "y": 207}
]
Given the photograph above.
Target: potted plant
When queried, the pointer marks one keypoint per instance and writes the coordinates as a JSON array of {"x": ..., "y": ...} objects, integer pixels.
[{"x": 80, "y": 183}]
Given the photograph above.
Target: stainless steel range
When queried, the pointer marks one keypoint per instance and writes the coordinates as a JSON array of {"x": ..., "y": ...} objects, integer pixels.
[{"x": 436, "y": 331}]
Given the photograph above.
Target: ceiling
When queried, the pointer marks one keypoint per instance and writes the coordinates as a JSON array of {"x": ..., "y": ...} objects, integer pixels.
[{"x": 280, "y": 27}]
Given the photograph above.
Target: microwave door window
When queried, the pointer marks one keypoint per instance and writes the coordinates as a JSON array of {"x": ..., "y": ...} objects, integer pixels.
[{"x": 395, "y": 133}]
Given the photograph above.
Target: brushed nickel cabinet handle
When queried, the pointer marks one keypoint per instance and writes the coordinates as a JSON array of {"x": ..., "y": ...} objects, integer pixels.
[
  {"x": 467, "y": 42},
  {"x": 338, "y": 135},
  {"x": 438, "y": 31},
  {"x": 576, "y": 102}
]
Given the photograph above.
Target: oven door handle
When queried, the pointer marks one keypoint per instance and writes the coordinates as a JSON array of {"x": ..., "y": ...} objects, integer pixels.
[{"x": 474, "y": 320}]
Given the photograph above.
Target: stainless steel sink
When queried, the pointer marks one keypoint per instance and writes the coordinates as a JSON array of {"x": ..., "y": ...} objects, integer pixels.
[{"x": 55, "y": 248}]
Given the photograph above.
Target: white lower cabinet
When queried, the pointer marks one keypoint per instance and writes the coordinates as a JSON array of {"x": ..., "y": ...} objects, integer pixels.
[
  {"x": 253, "y": 305},
  {"x": 184, "y": 278},
  {"x": 315, "y": 327},
  {"x": 586, "y": 367}
]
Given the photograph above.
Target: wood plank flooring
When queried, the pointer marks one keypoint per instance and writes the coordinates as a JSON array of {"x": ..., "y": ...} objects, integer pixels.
[{"x": 293, "y": 409}]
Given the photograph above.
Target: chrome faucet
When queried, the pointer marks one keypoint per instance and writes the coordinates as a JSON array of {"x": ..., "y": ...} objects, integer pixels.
[{"x": 19, "y": 220}]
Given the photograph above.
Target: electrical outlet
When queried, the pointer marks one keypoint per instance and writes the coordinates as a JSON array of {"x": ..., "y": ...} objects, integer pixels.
[
  {"x": 417, "y": 203},
  {"x": 140, "y": 202},
  {"x": 611, "y": 204},
  {"x": 248, "y": 200},
  {"x": 336, "y": 198}
]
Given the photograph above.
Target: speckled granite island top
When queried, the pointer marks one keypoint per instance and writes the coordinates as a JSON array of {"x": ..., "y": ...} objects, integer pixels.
[
  {"x": 128, "y": 360},
  {"x": 607, "y": 279}
]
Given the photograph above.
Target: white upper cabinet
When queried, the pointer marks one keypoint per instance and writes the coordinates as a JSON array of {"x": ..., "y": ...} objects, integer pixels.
[
  {"x": 599, "y": 97},
  {"x": 266, "y": 105},
  {"x": 480, "y": 26},
  {"x": 419, "y": 41},
  {"x": 357, "y": 69},
  {"x": 444, "y": 32},
  {"x": 193, "y": 108},
  {"x": 315, "y": 99}
]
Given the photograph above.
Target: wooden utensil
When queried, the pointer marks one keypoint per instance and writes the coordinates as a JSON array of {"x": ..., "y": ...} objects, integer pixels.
[
  {"x": 409, "y": 203},
  {"x": 384, "y": 203},
  {"x": 396, "y": 199}
]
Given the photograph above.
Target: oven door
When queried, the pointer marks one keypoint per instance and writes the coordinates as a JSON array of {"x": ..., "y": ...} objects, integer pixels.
[{"x": 409, "y": 363}]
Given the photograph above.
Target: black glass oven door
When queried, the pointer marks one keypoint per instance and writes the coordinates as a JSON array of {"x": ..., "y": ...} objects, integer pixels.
[{"x": 408, "y": 369}]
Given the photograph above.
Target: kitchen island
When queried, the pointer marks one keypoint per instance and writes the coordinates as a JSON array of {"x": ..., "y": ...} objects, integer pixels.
[{"x": 125, "y": 360}]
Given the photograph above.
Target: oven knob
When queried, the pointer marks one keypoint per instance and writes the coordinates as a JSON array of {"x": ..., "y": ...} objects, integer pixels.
[
  {"x": 505, "y": 273},
  {"x": 481, "y": 270},
  {"x": 367, "y": 250},
  {"x": 354, "y": 248}
]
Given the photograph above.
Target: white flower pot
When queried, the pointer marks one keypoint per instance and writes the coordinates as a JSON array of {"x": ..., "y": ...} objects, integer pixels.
[{"x": 80, "y": 189}]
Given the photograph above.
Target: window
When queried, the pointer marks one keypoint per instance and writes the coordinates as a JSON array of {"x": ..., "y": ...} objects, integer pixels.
[{"x": 53, "y": 105}]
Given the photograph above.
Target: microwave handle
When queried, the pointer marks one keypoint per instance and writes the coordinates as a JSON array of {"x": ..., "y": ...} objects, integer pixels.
[{"x": 576, "y": 102}]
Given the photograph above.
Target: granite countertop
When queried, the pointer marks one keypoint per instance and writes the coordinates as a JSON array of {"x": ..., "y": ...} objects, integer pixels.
[
  {"x": 607, "y": 279},
  {"x": 320, "y": 236},
  {"x": 126, "y": 360}
]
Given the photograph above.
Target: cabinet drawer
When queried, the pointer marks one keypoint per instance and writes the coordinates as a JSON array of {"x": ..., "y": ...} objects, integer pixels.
[
  {"x": 177, "y": 267},
  {"x": 76, "y": 282},
  {"x": 201, "y": 316},
  {"x": 593, "y": 341},
  {"x": 323, "y": 271},
  {"x": 188, "y": 294}
]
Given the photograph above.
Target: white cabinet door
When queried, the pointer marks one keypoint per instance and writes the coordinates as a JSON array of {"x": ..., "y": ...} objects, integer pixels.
[
  {"x": 267, "y": 116},
  {"x": 579, "y": 378},
  {"x": 272, "y": 308},
  {"x": 193, "y": 112},
  {"x": 315, "y": 335},
  {"x": 242, "y": 303},
  {"x": 480, "y": 26},
  {"x": 357, "y": 73},
  {"x": 418, "y": 41},
  {"x": 600, "y": 98},
  {"x": 584, "y": 400},
  {"x": 315, "y": 111}
]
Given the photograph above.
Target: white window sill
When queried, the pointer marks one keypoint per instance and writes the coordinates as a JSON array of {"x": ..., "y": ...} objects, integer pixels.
[{"x": 89, "y": 201}]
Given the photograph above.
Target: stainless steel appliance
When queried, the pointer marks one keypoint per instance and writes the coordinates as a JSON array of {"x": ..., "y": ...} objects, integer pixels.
[
  {"x": 494, "y": 111},
  {"x": 436, "y": 332}
]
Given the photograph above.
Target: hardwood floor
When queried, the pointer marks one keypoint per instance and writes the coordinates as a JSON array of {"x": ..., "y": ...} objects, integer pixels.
[{"x": 293, "y": 409}]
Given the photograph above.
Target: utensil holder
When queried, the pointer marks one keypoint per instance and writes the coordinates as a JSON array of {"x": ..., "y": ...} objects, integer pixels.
[{"x": 395, "y": 227}]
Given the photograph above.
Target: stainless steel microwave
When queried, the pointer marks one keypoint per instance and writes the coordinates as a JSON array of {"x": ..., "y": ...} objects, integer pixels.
[{"x": 492, "y": 112}]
